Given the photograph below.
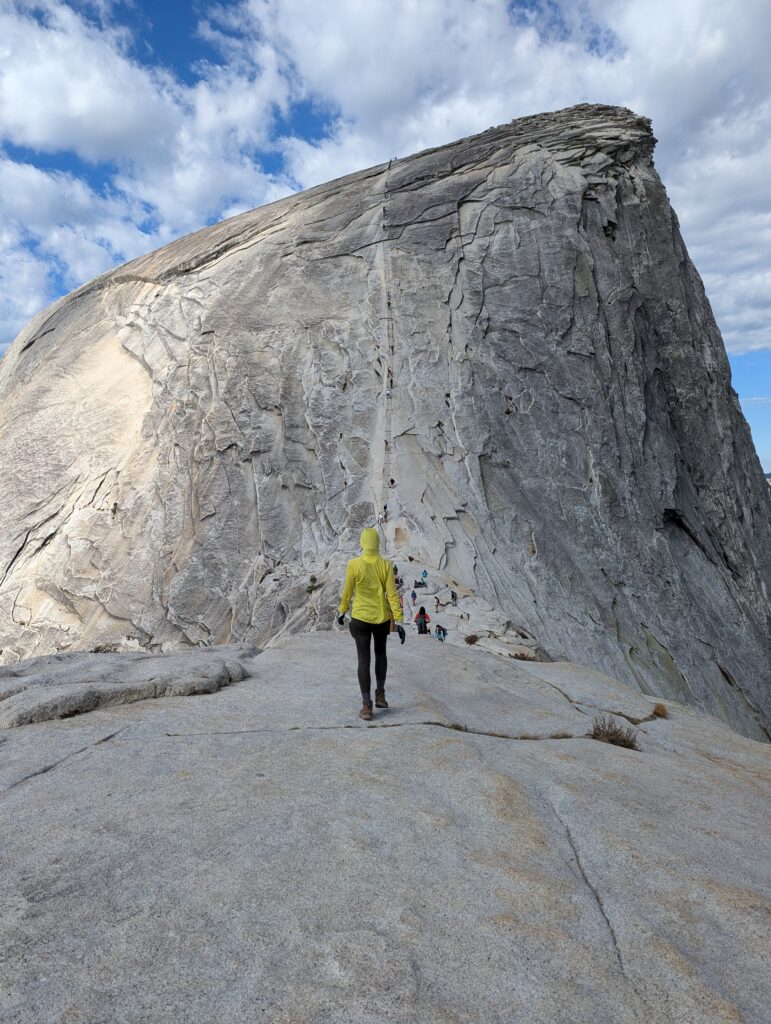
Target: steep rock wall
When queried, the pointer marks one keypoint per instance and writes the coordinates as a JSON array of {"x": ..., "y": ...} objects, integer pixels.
[{"x": 508, "y": 327}]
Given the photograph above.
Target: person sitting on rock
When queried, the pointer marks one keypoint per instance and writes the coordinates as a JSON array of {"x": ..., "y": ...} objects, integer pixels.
[
  {"x": 369, "y": 579},
  {"x": 441, "y": 632},
  {"x": 422, "y": 618}
]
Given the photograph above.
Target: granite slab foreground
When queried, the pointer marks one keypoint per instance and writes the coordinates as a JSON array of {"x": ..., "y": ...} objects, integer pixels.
[{"x": 258, "y": 854}]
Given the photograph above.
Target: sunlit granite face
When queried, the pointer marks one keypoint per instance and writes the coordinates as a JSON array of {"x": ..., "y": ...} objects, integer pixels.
[{"x": 509, "y": 328}]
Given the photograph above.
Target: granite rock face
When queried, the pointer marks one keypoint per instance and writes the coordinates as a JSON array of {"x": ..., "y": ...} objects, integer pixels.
[
  {"x": 259, "y": 854},
  {"x": 508, "y": 327}
]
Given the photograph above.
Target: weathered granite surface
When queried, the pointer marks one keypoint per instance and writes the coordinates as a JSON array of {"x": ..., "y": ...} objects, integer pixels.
[
  {"x": 186, "y": 440},
  {"x": 259, "y": 854},
  {"x": 62, "y": 685}
]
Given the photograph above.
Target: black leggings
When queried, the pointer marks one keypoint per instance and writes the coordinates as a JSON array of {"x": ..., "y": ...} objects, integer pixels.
[{"x": 361, "y": 632}]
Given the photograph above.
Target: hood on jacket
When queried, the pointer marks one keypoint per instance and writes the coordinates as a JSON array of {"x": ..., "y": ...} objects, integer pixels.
[{"x": 370, "y": 541}]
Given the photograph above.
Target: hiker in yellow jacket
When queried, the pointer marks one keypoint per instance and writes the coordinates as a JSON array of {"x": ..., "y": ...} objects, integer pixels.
[{"x": 370, "y": 579}]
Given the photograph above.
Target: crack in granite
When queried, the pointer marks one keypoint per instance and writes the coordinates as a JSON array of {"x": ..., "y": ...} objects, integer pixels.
[
  {"x": 452, "y": 726},
  {"x": 67, "y": 757}
]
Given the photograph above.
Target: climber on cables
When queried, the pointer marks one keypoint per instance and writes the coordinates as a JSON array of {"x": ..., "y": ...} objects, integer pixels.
[{"x": 376, "y": 611}]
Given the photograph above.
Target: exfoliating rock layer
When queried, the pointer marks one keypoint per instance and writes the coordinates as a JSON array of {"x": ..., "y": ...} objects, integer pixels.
[{"x": 499, "y": 347}]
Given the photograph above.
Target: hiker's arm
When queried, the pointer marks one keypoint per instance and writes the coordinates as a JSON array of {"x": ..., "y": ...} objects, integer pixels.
[
  {"x": 393, "y": 597},
  {"x": 345, "y": 600}
]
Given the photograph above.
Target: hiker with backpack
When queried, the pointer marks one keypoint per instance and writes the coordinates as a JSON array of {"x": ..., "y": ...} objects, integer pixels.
[
  {"x": 422, "y": 619},
  {"x": 369, "y": 580}
]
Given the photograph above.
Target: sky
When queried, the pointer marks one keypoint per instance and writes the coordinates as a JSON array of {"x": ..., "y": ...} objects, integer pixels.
[{"x": 125, "y": 124}]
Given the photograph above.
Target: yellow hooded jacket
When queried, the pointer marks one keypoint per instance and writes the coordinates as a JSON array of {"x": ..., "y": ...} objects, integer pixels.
[{"x": 370, "y": 578}]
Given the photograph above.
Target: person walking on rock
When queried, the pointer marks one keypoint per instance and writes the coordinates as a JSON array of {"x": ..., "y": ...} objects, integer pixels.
[
  {"x": 369, "y": 579},
  {"x": 422, "y": 619}
]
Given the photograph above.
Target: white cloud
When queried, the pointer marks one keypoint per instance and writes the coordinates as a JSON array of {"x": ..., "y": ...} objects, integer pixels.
[
  {"x": 177, "y": 155},
  {"x": 394, "y": 76},
  {"x": 24, "y": 287},
  {"x": 68, "y": 85}
]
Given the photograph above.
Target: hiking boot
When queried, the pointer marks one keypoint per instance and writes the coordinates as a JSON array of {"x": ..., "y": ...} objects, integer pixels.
[
  {"x": 366, "y": 711},
  {"x": 380, "y": 701}
]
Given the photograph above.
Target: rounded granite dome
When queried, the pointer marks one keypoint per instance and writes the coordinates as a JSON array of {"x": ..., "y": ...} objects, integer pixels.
[{"x": 499, "y": 349}]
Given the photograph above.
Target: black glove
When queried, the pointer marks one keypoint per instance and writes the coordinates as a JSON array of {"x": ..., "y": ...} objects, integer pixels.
[
  {"x": 400, "y": 631},
  {"x": 341, "y": 619}
]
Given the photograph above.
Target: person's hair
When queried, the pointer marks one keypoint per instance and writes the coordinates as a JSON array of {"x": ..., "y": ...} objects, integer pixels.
[{"x": 422, "y": 610}]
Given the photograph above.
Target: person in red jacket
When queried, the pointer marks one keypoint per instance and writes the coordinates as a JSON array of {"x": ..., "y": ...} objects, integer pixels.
[{"x": 422, "y": 618}]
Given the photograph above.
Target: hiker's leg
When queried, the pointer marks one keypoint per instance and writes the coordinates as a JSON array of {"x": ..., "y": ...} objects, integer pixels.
[
  {"x": 361, "y": 631},
  {"x": 380, "y": 635}
]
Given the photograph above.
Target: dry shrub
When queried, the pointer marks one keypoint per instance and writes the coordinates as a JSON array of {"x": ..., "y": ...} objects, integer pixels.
[
  {"x": 471, "y": 638},
  {"x": 660, "y": 711},
  {"x": 607, "y": 730}
]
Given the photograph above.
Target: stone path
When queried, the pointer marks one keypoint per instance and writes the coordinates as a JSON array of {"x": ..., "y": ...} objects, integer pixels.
[{"x": 258, "y": 854}]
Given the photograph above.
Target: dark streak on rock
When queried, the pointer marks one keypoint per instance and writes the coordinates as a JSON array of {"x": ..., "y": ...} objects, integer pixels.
[
  {"x": 50, "y": 767},
  {"x": 452, "y": 726}
]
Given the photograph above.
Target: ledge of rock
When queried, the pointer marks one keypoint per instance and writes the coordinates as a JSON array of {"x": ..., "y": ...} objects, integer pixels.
[{"x": 62, "y": 685}]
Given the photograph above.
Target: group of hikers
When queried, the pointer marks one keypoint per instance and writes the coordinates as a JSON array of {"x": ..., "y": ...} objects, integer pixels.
[{"x": 372, "y": 591}]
